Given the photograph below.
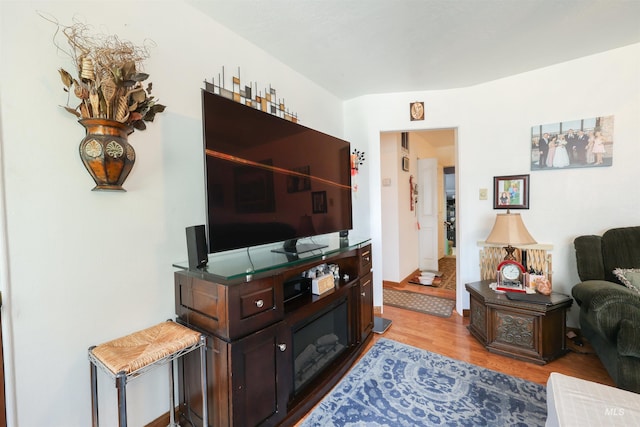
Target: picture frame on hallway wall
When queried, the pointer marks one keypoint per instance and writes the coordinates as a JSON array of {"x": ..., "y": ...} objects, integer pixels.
[
  {"x": 572, "y": 144},
  {"x": 405, "y": 163},
  {"x": 511, "y": 192}
]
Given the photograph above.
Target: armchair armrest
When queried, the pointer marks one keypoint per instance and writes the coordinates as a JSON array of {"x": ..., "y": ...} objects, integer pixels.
[{"x": 607, "y": 305}]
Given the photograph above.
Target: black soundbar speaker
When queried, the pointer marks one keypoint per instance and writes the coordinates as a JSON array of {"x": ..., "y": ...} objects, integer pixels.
[{"x": 197, "y": 247}]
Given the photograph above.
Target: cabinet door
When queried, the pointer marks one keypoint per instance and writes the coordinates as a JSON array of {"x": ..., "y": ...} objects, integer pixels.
[
  {"x": 366, "y": 306},
  {"x": 259, "y": 381},
  {"x": 248, "y": 383}
]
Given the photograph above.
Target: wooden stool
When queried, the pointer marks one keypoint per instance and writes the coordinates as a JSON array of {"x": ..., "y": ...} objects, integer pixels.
[{"x": 129, "y": 357}]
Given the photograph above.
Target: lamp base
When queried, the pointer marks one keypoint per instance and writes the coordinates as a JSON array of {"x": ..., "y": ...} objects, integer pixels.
[{"x": 510, "y": 250}]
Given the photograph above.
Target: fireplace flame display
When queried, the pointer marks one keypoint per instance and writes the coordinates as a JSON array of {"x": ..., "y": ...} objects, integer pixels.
[{"x": 319, "y": 342}]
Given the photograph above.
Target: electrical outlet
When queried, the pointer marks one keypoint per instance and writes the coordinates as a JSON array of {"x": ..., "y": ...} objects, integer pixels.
[{"x": 483, "y": 194}]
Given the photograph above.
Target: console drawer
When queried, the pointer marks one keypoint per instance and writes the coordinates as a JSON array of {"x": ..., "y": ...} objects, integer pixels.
[
  {"x": 365, "y": 260},
  {"x": 253, "y": 303},
  {"x": 229, "y": 311}
]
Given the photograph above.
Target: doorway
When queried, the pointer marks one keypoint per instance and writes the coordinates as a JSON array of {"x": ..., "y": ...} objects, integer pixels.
[
  {"x": 401, "y": 225},
  {"x": 450, "y": 212}
]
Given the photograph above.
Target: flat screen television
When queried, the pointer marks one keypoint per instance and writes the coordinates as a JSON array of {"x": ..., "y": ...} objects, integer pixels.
[{"x": 271, "y": 180}]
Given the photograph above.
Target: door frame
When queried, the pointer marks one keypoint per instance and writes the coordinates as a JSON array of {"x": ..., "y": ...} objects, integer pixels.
[{"x": 441, "y": 233}]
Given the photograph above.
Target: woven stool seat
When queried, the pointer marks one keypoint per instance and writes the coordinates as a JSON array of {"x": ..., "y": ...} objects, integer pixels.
[
  {"x": 130, "y": 356},
  {"x": 139, "y": 349}
]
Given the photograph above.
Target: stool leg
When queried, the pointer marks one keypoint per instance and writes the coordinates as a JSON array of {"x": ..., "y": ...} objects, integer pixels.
[
  {"x": 203, "y": 381},
  {"x": 172, "y": 410},
  {"x": 121, "y": 385},
  {"x": 94, "y": 391}
]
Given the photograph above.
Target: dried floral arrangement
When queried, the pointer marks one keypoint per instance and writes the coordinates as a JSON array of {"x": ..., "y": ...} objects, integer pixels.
[{"x": 109, "y": 83}]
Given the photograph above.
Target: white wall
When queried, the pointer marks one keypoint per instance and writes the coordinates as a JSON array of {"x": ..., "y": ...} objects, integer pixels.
[
  {"x": 494, "y": 123},
  {"x": 82, "y": 267}
]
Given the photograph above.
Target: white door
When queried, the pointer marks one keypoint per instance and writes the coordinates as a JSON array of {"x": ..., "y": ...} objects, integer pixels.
[{"x": 428, "y": 213}]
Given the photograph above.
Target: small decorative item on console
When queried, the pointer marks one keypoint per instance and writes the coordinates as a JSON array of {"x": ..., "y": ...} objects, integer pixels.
[
  {"x": 511, "y": 287},
  {"x": 543, "y": 285},
  {"x": 322, "y": 284},
  {"x": 323, "y": 277},
  {"x": 537, "y": 281},
  {"x": 510, "y": 276}
]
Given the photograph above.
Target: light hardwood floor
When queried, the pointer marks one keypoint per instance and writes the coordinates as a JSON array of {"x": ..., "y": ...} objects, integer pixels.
[{"x": 450, "y": 337}]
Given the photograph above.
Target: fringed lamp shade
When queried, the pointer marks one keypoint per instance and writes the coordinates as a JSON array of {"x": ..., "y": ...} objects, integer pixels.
[{"x": 510, "y": 230}]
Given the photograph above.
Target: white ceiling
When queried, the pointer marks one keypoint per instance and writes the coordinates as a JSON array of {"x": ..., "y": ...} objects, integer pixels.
[{"x": 360, "y": 47}]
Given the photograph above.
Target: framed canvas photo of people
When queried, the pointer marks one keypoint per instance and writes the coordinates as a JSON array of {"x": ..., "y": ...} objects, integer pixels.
[
  {"x": 583, "y": 143},
  {"x": 511, "y": 192}
]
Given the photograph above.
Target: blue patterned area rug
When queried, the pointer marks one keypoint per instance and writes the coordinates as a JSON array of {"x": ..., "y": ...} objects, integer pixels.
[{"x": 398, "y": 385}]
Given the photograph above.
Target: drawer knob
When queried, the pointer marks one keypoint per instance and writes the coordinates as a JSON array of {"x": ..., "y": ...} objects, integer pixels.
[
  {"x": 367, "y": 259},
  {"x": 282, "y": 347},
  {"x": 363, "y": 294},
  {"x": 260, "y": 303}
]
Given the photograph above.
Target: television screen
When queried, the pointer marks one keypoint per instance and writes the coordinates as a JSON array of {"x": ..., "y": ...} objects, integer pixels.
[{"x": 269, "y": 179}]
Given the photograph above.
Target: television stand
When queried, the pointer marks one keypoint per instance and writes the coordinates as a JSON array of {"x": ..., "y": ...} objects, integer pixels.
[
  {"x": 292, "y": 247},
  {"x": 259, "y": 369}
]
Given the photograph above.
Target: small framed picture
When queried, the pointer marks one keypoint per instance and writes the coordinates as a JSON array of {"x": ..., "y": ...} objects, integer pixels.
[
  {"x": 416, "y": 111},
  {"x": 405, "y": 163},
  {"x": 511, "y": 192},
  {"x": 404, "y": 142}
]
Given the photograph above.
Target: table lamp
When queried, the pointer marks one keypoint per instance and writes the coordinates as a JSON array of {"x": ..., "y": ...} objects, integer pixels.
[{"x": 510, "y": 230}]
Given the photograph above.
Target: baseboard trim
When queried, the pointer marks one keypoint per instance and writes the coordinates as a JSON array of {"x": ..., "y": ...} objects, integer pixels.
[{"x": 163, "y": 420}]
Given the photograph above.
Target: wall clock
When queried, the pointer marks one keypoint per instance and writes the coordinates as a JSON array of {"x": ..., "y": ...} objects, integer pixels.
[{"x": 416, "y": 110}]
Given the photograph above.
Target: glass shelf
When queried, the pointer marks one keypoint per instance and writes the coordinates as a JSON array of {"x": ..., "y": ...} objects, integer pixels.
[{"x": 260, "y": 259}]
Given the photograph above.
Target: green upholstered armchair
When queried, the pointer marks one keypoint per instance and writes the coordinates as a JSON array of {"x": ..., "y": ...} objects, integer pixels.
[{"x": 610, "y": 311}]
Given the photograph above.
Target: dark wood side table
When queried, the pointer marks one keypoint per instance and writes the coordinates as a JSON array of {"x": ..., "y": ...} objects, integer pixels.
[{"x": 522, "y": 330}]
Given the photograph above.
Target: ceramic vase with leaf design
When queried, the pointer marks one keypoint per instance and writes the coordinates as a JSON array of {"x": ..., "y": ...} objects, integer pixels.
[{"x": 106, "y": 152}]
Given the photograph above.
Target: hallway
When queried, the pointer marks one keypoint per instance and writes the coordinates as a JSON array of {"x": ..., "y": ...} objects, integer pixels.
[{"x": 445, "y": 289}]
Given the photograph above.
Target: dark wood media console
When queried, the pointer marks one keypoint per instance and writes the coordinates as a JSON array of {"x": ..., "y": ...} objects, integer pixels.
[{"x": 274, "y": 348}]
